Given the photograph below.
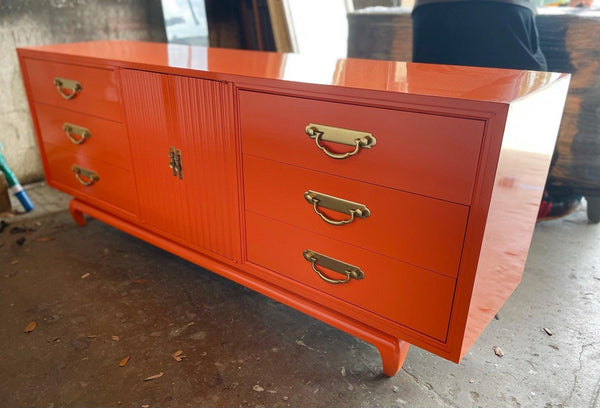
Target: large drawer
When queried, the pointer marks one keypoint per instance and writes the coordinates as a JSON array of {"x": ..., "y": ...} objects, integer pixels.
[
  {"x": 403, "y": 293},
  {"x": 98, "y": 95},
  {"x": 107, "y": 140},
  {"x": 115, "y": 185},
  {"x": 422, "y": 153},
  {"x": 419, "y": 230}
]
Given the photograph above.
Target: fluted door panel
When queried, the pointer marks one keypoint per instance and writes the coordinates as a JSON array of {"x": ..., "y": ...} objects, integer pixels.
[
  {"x": 204, "y": 126},
  {"x": 199, "y": 204}
]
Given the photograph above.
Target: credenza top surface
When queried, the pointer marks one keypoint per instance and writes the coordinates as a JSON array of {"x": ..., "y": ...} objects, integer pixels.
[{"x": 478, "y": 84}]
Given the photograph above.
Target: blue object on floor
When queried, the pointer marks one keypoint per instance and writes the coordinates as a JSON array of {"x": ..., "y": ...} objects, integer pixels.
[{"x": 14, "y": 187}]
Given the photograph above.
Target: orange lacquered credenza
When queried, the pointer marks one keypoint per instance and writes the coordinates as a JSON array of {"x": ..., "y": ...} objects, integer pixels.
[{"x": 394, "y": 201}]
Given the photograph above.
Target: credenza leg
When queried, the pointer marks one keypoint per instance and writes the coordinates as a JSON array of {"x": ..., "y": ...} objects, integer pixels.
[
  {"x": 392, "y": 354},
  {"x": 76, "y": 214}
]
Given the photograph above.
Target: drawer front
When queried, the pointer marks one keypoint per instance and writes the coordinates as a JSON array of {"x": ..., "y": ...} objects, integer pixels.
[
  {"x": 106, "y": 140},
  {"x": 405, "y": 294},
  {"x": 422, "y": 153},
  {"x": 98, "y": 95},
  {"x": 115, "y": 185},
  {"x": 419, "y": 230}
]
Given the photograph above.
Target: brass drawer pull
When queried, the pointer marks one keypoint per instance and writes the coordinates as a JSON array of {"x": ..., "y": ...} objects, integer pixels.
[
  {"x": 351, "y": 271},
  {"x": 85, "y": 176},
  {"x": 336, "y": 204},
  {"x": 73, "y": 86},
  {"x": 347, "y": 137},
  {"x": 71, "y": 130}
]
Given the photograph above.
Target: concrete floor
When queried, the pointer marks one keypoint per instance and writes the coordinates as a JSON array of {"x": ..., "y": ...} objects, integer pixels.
[{"x": 85, "y": 285}]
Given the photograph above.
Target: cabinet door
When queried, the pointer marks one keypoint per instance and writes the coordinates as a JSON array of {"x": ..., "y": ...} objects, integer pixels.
[{"x": 193, "y": 119}]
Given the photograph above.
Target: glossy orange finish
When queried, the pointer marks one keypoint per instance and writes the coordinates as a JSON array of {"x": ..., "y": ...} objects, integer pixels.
[
  {"x": 189, "y": 115},
  {"x": 453, "y": 182},
  {"x": 108, "y": 141},
  {"x": 520, "y": 177},
  {"x": 404, "y": 226},
  {"x": 99, "y": 95},
  {"x": 411, "y": 153},
  {"x": 405, "y": 294},
  {"x": 116, "y": 187},
  {"x": 302, "y": 71}
]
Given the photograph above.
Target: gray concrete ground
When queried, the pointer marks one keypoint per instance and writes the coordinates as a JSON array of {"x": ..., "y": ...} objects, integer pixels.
[{"x": 99, "y": 295}]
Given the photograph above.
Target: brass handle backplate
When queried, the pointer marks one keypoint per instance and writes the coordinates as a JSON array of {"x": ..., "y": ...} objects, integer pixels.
[
  {"x": 348, "y": 137},
  {"x": 70, "y": 85},
  {"x": 350, "y": 271},
  {"x": 355, "y": 210},
  {"x": 73, "y": 130},
  {"x": 85, "y": 176}
]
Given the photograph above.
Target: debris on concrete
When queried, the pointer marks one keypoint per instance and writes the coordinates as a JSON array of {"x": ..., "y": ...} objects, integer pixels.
[
  {"x": 125, "y": 361},
  {"x": 548, "y": 331},
  {"x": 498, "y": 351},
  {"x": 154, "y": 377},
  {"x": 178, "y": 355},
  {"x": 20, "y": 230},
  {"x": 30, "y": 327}
]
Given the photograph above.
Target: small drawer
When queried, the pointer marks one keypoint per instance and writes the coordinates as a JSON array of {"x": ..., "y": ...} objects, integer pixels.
[
  {"x": 97, "y": 94},
  {"x": 111, "y": 185},
  {"x": 405, "y": 294},
  {"x": 427, "y": 154},
  {"x": 419, "y": 230},
  {"x": 102, "y": 139}
]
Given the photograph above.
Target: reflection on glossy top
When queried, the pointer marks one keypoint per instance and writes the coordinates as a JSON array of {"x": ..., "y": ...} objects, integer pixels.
[{"x": 495, "y": 85}]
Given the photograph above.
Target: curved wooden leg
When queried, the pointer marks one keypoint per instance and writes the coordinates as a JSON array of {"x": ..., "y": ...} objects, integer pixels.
[
  {"x": 392, "y": 354},
  {"x": 76, "y": 213}
]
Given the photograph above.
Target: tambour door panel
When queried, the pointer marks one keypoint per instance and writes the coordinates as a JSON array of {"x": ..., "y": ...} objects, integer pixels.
[
  {"x": 198, "y": 205},
  {"x": 403, "y": 293},
  {"x": 107, "y": 139},
  {"x": 427, "y": 154},
  {"x": 98, "y": 95},
  {"x": 115, "y": 186},
  {"x": 161, "y": 194},
  {"x": 204, "y": 125},
  {"x": 419, "y": 230}
]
